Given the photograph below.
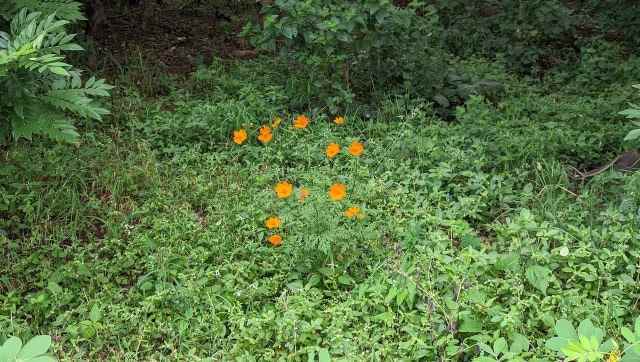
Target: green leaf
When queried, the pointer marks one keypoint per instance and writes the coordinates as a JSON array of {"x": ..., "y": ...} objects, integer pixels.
[
  {"x": 565, "y": 329},
  {"x": 500, "y": 346},
  {"x": 345, "y": 279},
  {"x": 519, "y": 343},
  {"x": 43, "y": 359},
  {"x": 539, "y": 277},
  {"x": 58, "y": 71},
  {"x": 628, "y": 335},
  {"x": 95, "y": 314},
  {"x": 484, "y": 359},
  {"x": 470, "y": 325},
  {"x": 10, "y": 349},
  {"x": 587, "y": 329},
  {"x": 635, "y": 134},
  {"x": 35, "y": 347},
  {"x": 631, "y": 113},
  {"x": 323, "y": 355},
  {"x": 556, "y": 343}
]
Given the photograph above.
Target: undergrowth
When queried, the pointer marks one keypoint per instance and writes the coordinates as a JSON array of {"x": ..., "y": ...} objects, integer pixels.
[{"x": 148, "y": 242}]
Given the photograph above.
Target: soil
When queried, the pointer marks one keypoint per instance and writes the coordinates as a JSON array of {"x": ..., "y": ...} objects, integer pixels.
[{"x": 173, "y": 39}]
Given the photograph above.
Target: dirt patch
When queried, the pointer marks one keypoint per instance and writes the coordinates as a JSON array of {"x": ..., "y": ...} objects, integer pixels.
[{"x": 173, "y": 39}]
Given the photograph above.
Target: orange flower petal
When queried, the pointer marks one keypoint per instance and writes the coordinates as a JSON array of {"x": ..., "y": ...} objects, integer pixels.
[
  {"x": 356, "y": 148},
  {"x": 275, "y": 240},
  {"x": 332, "y": 150},
  {"x": 283, "y": 189},
  {"x": 239, "y": 136},
  {"x": 273, "y": 222},
  {"x": 304, "y": 193},
  {"x": 337, "y": 192},
  {"x": 301, "y": 121}
]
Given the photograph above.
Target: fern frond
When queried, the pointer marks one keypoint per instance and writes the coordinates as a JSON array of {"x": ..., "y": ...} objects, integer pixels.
[
  {"x": 70, "y": 95},
  {"x": 43, "y": 121},
  {"x": 63, "y": 9}
]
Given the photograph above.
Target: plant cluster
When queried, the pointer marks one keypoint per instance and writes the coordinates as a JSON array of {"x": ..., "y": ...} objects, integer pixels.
[
  {"x": 39, "y": 90},
  {"x": 285, "y": 189},
  {"x": 360, "y": 48},
  {"x": 633, "y": 113}
]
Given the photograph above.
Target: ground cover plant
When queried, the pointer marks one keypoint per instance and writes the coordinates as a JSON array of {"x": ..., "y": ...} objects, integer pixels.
[{"x": 251, "y": 211}]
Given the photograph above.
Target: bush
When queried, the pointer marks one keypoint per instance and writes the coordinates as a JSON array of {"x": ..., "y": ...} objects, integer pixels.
[
  {"x": 38, "y": 89},
  {"x": 633, "y": 112},
  {"x": 360, "y": 48},
  {"x": 532, "y": 35}
]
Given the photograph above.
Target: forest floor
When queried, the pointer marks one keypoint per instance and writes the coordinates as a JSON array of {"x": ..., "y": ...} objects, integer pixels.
[{"x": 149, "y": 242}]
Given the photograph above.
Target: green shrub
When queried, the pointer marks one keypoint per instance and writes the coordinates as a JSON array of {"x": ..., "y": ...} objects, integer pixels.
[
  {"x": 531, "y": 35},
  {"x": 38, "y": 89},
  {"x": 360, "y": 48},
  {"x": 633, "y": 113}
]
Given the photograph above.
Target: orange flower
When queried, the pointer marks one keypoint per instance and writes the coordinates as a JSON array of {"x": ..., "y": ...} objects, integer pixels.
[
  {"x": 304, "y": 193},
  {"x": 356, "y": 148},
  {"x": 273, "y": 222},
  {"x": 332, "y": 150},
  {"x": 265, "y": 134},
  {"x": 337, "y": 192},
  {"x": 352, "y": 212},
  {"x": 301, "y": 121},
  {"x": 265, "y": 137},
  {"x": 276, "y": 122},
  {"x": 265, "y": 130},
  {"x": 275, "y": 240},
  {"x": 239, "y": 136},
  {"x": 339, "y": 120},
  {"x": 283, "y": 189}
]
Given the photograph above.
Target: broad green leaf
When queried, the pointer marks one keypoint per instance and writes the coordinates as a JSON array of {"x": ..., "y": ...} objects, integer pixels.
[
  {"x": 470, "y": 325},
  {"x": 587, "y": 329},
  {"x": 565, "y": 329},
  {"x": 500, "y": 346},
  {"x": 35, "y": 347},
  {"x": 608, "y": 346},
  {"x": 556, "y": 343},
  {"x": 10, "y": 349},
  {"x": 484, "y": 359},
  {"x": 628, "y": 335},
  {"x": 519, "y": 344},
  {"x": 539, "y": 277},
  {"x": 323, "y": 355},
  {"x": 43, "y": 359}
]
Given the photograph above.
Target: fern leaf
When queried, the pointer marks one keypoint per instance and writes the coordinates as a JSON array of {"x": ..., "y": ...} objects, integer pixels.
[
  {"x": 62, "y": 9},
  {"x": 39, "y": 120},
  {"x": 70, "y": 95}
]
